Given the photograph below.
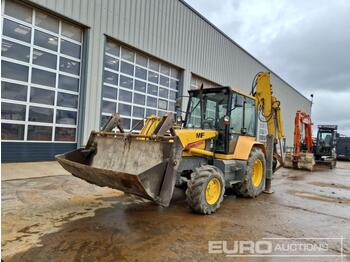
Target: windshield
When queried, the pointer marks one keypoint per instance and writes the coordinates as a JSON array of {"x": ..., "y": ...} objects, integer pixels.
[
  {"x": 214, "y": 106},
  {"x": 325, "y": 138}
]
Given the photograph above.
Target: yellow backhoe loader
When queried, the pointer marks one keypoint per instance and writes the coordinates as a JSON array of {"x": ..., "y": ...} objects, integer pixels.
[{"x": 213, "y": 149}]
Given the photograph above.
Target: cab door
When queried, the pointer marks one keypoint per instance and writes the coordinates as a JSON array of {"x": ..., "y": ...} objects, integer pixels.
[
  {"x": 214, "y": 113},
  {"x": 236, "y": 120},
  {"x": 243, "y": 119}
]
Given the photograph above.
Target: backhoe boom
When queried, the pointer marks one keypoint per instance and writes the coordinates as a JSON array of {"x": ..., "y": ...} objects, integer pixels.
[{"x": 269, "y": 111}]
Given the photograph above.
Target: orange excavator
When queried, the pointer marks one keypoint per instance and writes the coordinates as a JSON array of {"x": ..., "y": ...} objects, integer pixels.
[{"x": 302, "y": 156}]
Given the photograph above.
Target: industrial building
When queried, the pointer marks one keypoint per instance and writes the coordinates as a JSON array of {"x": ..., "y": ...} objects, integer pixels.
[{"x": 66, "y": 65}]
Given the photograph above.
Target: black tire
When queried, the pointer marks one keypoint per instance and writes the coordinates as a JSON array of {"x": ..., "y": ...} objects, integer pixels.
[
  {"x": 246, "y": 188},
  {"x": 196, "y": 189}
]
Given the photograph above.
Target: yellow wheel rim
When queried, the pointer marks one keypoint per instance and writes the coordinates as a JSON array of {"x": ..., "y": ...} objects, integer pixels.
[
  {"x": 213, "y": 191},
  {"x": 258, "y": 171}
]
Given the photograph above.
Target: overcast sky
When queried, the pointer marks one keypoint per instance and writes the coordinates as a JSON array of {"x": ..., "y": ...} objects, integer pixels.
[{"x": 307, "y": 43}]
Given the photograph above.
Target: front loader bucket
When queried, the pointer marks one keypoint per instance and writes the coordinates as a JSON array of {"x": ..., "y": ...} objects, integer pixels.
[{"x": 132, "y": 164}]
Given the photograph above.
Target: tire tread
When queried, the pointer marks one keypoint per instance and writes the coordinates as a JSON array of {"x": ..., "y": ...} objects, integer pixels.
[{"x": 195, "y": 187}]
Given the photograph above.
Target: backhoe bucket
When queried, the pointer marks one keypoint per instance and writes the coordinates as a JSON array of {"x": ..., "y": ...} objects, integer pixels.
[
  {"x": 305, "y": 161},
  {"x": 129, "y": 163}
]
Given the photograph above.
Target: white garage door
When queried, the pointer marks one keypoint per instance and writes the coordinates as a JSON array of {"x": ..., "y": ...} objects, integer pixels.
[
  {"x": 40, "y": 75},
  {"x": 136, "y": 85}
]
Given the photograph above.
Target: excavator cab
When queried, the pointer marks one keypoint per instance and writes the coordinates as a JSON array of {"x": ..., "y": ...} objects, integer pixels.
[{"x": 325, "y": 146}]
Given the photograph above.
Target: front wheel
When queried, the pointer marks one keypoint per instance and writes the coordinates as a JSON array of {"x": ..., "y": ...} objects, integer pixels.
[
  {"x": 253, "y": 183},
  {"x": 205, "y": 190}
]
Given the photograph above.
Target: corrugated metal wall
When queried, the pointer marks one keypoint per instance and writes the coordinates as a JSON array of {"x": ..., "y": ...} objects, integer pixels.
[{"x": 171, "y": 31}]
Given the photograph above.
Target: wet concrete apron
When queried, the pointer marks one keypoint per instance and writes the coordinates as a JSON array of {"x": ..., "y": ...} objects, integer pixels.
[{"x": 63, "y": 218}]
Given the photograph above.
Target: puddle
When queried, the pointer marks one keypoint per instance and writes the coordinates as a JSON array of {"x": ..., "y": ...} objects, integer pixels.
[
  {"x": 323, "y": 198},
  {"x": 296, "y": 178},
  {"x": 332, "y": 185}
]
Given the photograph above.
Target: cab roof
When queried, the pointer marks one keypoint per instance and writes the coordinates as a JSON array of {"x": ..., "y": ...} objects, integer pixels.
[{"x": 219, "y": 89}]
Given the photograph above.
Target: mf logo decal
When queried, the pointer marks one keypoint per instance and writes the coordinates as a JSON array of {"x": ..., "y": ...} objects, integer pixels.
[{"x": 199, "y": 135}]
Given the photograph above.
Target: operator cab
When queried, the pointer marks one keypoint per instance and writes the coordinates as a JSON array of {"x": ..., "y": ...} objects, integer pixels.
[
  {"x": 324, "y": 148},
  {"x": 225, "y": 110},
  {"x": 326, "y": 140}
]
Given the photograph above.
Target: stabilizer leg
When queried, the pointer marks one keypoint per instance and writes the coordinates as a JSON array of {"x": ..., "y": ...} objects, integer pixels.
[{"x": 269, "y": 162}]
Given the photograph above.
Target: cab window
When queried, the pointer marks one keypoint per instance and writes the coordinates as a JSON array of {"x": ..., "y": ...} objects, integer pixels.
[
  {"x": 250, "y": 117},
  {"x": 194, "y": 115},
  {"x": 325, "y": 138},
  {"x": 236, "y": 119}
]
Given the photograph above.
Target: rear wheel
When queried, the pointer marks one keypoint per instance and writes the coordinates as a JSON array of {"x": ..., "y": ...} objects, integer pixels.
[
  {"x": 254, "y": 181},
  {"x": 205, "y": 190}
]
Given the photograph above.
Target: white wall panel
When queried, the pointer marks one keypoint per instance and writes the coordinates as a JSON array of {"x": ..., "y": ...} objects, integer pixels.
[{"x": 171, "y": 31}]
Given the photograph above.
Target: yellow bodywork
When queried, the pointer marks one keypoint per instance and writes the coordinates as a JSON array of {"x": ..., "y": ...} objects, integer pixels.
[
  {"x": 242, "y": 150},
  {"x": 193, "y": 141},
  {"x": 150, "y": 125}
]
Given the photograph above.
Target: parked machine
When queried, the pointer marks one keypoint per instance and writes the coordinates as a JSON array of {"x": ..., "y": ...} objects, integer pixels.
[
  {"x": 213, "y": 149},
  {"x": 325, "y": 145},
  {"x": 302, "y": 156},
  {"x": 343, "y": 148}
]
